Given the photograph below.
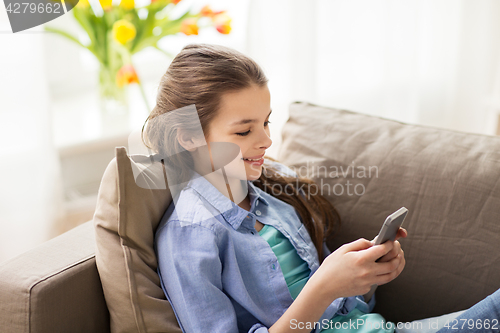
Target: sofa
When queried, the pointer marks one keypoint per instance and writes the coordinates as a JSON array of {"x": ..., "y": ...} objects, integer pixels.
[{"x": 98, "y": 278}]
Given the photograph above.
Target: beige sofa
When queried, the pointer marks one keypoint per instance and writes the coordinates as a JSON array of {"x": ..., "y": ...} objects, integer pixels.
[{"x": 449, "y": 181}]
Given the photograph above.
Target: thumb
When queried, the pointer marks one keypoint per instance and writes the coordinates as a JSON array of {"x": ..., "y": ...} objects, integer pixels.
[
  {"x": 358, "y": 245},
  {"x": 380, "y": 250}
]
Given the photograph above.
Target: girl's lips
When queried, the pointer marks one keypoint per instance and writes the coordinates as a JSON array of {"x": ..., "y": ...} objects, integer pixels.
[
  {"x": 259, "y": 162},
  {"x": 254, "y": 157}
]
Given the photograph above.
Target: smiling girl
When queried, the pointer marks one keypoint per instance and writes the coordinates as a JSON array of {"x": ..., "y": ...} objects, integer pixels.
[{"x": 257, "y": 263}]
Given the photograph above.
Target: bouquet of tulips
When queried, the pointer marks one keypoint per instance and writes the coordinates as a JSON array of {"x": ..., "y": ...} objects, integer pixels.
[{"x": 119, "y": 31}]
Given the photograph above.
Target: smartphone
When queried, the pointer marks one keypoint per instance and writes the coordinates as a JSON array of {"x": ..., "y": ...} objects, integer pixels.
[
  {"x": 391, "y": 226},
  {"x": 388, "y": 231}
]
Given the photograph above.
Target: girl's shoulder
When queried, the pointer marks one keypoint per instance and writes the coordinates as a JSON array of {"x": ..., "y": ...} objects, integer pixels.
[{"x": 189, "y": 209}]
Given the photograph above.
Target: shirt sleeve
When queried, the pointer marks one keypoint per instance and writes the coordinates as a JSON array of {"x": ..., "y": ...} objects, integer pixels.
[
  {"x": 191, "y": 277},
  {"x": 366, "y": 307},
  {"x": 258, "y": 328}
]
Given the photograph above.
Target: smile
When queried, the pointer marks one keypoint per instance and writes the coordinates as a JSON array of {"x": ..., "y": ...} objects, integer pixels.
[{"x": 252, "y": 159}]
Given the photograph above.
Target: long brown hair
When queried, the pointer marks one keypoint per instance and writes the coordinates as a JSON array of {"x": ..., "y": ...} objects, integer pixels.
[{"x": 200, "y": 74}]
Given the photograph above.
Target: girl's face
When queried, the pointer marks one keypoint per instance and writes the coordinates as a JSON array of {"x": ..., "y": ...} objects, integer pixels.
[{"x": 243, "y": 119}]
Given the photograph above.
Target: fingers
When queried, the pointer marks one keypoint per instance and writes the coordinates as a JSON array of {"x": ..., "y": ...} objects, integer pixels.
[
  {"x": 382, "y": 268},
  {"x": 393, "y": 253},
  {"x": 392, "y": 268},
  {"x": 377, "y": 251},
  {"x": 402, "y": 233},
  {"x": 388, "y": 253},
  {"x": 357, "y": 245}
]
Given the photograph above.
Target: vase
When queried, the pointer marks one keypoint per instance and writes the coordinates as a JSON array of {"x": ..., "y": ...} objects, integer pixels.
[{"x": 113, "y": 99}]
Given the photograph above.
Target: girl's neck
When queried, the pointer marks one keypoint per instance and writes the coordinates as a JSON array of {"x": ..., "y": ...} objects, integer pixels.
[{"x": 235, "y": 189}]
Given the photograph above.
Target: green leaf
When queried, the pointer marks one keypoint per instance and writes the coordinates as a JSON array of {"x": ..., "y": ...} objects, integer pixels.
[
  {"x": 168, "y": 27},
  {"x": 64, "y": 34},
  {"x": 99, "y": 25},
  {"x": 82, "y": 17},
  {"x": 71, "y": 38},
  {"x": 144, "y": 29},
  {"x": 166, "y": 20}
]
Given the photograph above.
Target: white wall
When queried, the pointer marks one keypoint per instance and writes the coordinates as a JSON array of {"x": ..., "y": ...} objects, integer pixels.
[
  {"x": 30, "y": 189},
  {"x": 426, "y": 62}
]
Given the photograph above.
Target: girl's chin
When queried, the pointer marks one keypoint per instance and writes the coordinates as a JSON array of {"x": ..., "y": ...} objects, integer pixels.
[
  {"x": 253, "y": 172},
  {"x": 253, "y": 176}
]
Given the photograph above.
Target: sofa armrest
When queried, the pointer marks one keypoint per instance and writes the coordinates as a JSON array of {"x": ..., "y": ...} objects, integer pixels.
[{"x": 54, "y": 287}]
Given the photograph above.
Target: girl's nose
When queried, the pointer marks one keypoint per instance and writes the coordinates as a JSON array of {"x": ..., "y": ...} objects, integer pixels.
[{"x": 265, "y": 140}]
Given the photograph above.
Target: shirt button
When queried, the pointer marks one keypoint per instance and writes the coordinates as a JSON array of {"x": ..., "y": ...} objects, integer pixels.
[
  {"x": 257, "y": 212},
  {"x": 274, "y": 266}
]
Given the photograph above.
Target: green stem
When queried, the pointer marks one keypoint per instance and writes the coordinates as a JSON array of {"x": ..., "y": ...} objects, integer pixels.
[
  {"x": 144, "y": 96},
  {"x": 168, "y": 54}
]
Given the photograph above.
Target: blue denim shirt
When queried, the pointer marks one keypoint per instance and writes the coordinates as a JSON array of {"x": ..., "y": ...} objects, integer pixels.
[{"x": 218, "y": 273}]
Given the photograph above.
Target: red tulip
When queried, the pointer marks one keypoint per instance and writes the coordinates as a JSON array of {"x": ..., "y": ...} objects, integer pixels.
[
  {"x": 189, "y": 26},
  {"x": 222, "y": 23},
  {"x": 206, "y": 11},
  {"x": 126, "y": 75}
]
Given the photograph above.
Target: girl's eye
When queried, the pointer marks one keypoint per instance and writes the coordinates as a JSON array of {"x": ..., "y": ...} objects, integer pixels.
[
  {"x": 243, "y": 134},
  {"x": 247, "y": 132}
]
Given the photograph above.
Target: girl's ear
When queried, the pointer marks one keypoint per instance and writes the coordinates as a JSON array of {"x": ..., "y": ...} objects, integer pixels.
[{"x": 188, "y": 141}]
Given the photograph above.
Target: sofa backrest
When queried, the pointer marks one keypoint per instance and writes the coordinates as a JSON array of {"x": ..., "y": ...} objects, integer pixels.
[{"x": 369, "y": 167}]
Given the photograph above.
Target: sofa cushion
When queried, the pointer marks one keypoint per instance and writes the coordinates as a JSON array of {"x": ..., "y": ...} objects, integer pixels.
[
  {"x": 132, "y": 199},
  {"x": 369, "y": 167}
]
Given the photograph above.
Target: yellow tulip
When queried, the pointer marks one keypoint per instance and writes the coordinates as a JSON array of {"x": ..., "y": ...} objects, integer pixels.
[
  {"x": 83, "y": 4},
  {"x": 189, "y": 26},
  {"x": 123, "y": 31},
  {"x": 106, "y": 4},
  {"x": 222, "y": 23},
  {"x": 127, "y": 4}
]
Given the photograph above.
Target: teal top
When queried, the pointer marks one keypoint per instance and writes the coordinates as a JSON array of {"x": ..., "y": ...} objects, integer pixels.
[
  {"x": 296, "y": 273},
  {"x": 295, "y": 270}
]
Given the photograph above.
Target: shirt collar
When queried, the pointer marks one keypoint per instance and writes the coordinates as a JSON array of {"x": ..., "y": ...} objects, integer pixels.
[
  {"x": 232, "y": 213},
  {"x": 256, "y": 193}
]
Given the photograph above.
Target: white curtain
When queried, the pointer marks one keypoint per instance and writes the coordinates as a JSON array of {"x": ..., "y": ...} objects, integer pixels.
[
  {"x": 419, "y": 61},
  {"x": 30, "y": 187}
]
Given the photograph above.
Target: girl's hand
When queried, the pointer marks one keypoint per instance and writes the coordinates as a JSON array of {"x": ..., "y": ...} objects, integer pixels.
[
  {"x": 351, "y": 269},
  {"x": 402, "y": 233},
  {"x": 396, "y": 250}
]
